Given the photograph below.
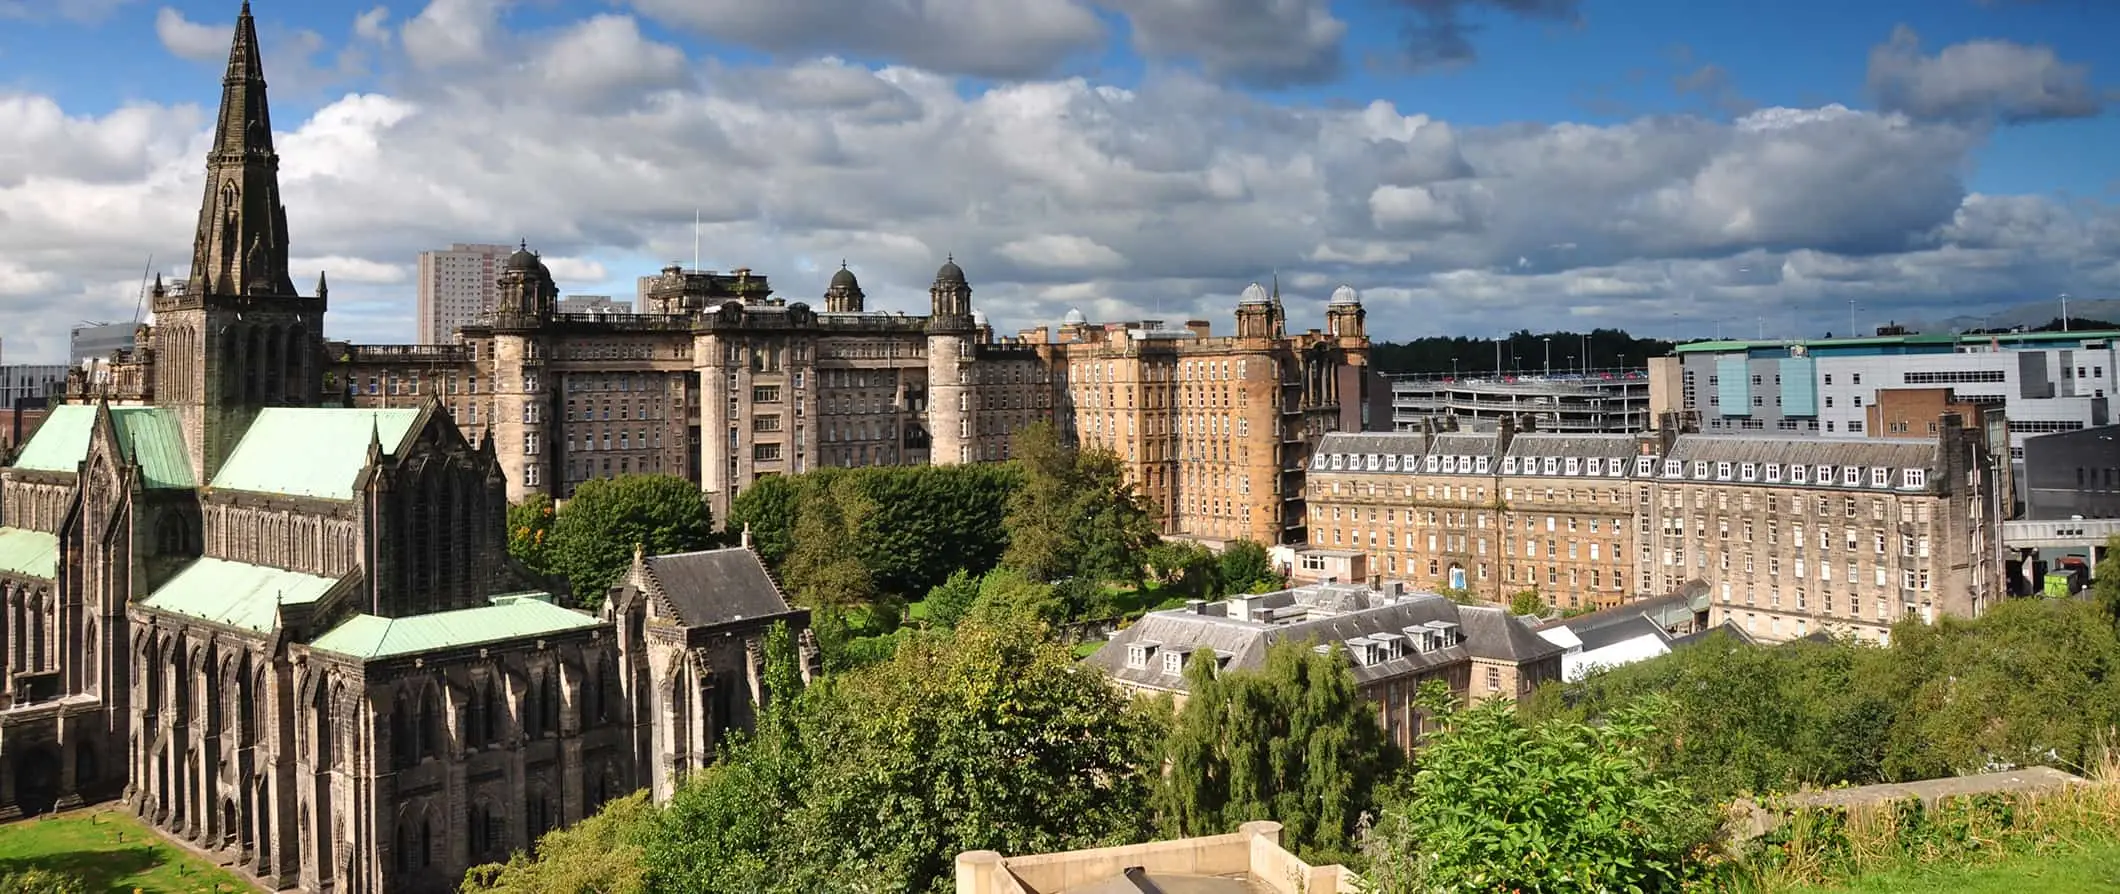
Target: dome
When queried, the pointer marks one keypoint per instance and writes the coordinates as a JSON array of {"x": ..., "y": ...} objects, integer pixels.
[
  {"x": 522, "y": 259},
  {"x": 1254, "y": 294},
  {"x": 1346, "y": 294},
  {"x": 978, "y": 317},
  {"x": 844, "y": 279},
  {"x": 1074, "y": 317},
  {"x": 950, "y": 272}
]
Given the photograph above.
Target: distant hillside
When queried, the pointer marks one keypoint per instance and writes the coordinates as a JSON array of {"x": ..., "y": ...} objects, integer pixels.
[{"x": 2030, "y": 315}]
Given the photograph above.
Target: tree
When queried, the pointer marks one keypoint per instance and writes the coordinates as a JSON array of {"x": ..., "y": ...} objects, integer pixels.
[
  {"x": 1527, "y": 602},
  {"x": 767, "y": 510},
  {"x": 948, "y": 602},
  {"x": 1499, "y": 805},
  {"x": 2105, "y": 586},
  {"x": 1294, "y": 741},
  {"x": 1007, "y": 595},
  {"x": 988, "y": 739},
  {"x": 530, "y": 531},
  {"x": 594, "y": 536},
  {"x": 1184, "y": 568},
  {"x": 40, "y": 881},
  {"x": 824, "y": 565},
  {"x": 602, "y": 854},
  {"x": 1075, "y": 515},
  {"x": 1247, "y": 567}
]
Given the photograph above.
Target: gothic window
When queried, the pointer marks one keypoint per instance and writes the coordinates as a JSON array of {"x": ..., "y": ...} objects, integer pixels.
[
  {"x": 609, "y": 691},
  {"x": 537, "y": 815},
  {"x": 404, "y": 747},
  {"x": 548, "y": 704},
  {"x": 430, "y": 723}
]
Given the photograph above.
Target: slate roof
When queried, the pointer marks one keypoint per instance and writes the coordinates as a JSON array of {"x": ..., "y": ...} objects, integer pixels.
[
  {"x": 149, "y": 436},
  {"x": 1486, "y": 632},
  {"x": 237, "y": 594},
  {"x": 1373, "y": 442},
  {"x": 29, "y": 553},
  {"x": 1586, "y": 446},
  {"x": 713, "y": 587},
  {"x": 1891, "y": 453},
  {"x": 513, "y": 616},
  {"x": 311, "y": 452}
]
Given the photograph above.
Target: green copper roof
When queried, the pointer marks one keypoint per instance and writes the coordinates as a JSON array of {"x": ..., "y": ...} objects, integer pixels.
[
  {"x": 310, "y": 452},
  {"x": 509, "y": 617},
  {"x": 150, "y": 437},
  {"x": 237, "y": 594},
  {"x": 154, "y": 441},
  {"x": 29, "y": 553},
  {"x": 61, "y": 443}
]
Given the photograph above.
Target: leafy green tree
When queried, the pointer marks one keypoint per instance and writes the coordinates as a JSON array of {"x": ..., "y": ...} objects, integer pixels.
[
  {"x": 932, "y": 520},
  {"x": 767, "y": 510},
  {"x": 948, "y": 602},
  {"x": 988, "y": 739},
  {"x": 1527, "y": 602},
  {"x": 602, "y": 854},
  {"x": 1294, "y": 741},
  {"x": 594, "y": 535},
  {"x": 1562, "y": 807},
  {"x": 2105, "y": 586},
  {"x": 1184, "y": 568},
  {"x": 530, "y": 531},
  {"x": 1247, "y": 567},
  {"x": 1075, "y": 514},
  {"x": 1007, "y": 595},
  {"x": 824, "y": 565}
]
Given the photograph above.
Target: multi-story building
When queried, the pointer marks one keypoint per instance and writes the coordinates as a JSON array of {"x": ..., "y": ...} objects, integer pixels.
[
  {"x": 1596, "y": 401},
  {"x": 290, "y": 636},
  {"x": 724, "y": 382},
  {"x": 2074, "y": 475},
  {"x": 594, "y": 304},
  {"x": 456, "y": 288},
  {"x": 2045, "y": 382},
  {"x": 1788, "y": 535},
  {"x": 98, "y": 341},
  {"x": 1396, "y": 640},
  {"x": 29, "y": 386}
]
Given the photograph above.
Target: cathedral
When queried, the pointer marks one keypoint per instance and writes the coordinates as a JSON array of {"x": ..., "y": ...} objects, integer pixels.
[{"x": 287, "y": 632}]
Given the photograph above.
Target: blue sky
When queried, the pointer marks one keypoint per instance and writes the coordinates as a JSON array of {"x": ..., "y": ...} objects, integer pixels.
[{"x": 1183, "y": 147}]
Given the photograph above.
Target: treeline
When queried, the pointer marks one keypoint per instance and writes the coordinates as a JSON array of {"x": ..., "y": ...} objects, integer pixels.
[{"x": 1522, "y": 352}]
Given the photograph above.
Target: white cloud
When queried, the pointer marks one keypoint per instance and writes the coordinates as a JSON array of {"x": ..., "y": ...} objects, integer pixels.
[
  {"x": 1979, "y": 80},
  {"x": 993, "y": 38},
  {"x": 1268, "y": 42},
  {"x": 373, "y": 24},
  {"x": 190, "y": 40},
  {"x": 598, "y": 143}
]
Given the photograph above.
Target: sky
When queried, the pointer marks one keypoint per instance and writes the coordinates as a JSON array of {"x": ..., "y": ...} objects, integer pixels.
[{"x": 1696, "y": 168}]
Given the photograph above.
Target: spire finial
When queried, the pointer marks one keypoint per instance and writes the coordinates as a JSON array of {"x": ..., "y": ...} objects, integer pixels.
[
  {"x": 951, "y": 257},
  {"x": 246, "y": 8},
  {"x": 842, "y": 263},
  {"x": 522, "y": 244}
]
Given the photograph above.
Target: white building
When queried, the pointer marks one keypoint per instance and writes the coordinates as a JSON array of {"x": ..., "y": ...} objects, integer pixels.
[{"x": 457, "y": 286}]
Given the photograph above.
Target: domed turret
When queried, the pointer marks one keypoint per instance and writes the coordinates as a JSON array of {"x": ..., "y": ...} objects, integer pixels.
[
  {"x": 1074, "y": 317},
  {"x": 950, "y": 300},
  {"x": 844, "y": 295},
  {"x": 1254, "y": 294},
  {"x": 523, "y": 258},
  {"x": 1346, "y": 294},
  {"x": 950, "y": 273},
  {"x": 844, "y": 279}
]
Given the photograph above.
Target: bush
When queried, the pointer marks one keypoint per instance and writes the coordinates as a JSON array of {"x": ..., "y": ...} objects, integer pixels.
[{"x": 1560, "y": 807}]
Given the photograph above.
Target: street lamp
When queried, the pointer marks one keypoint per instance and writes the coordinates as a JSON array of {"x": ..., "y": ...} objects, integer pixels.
[
  {"x": 1497, "y": 359},
  {"x": 2064, "y": 311},
  {"x": 1549, "y": 354}
]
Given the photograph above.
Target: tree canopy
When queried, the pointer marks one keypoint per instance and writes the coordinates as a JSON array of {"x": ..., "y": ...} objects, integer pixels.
[
  {"x": 1075, "y": 514},
  {"x": 924, "y": 522},
  {"x": 1246, "y": 567},
  {"x": 1293, "y": 741},
  {"x": 530, "y": 531},
  {"x": 594, "y": 534}
]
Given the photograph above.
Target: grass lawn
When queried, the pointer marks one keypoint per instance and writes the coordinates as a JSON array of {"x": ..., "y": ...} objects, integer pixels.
[
  {"x": 109, "y": 851},
  {"x": 2091, "y": 867}
]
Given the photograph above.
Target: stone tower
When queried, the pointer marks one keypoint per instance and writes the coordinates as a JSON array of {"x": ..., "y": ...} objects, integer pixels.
[
  {"x": 522, "y": 408},
  {"x": 844, "y": 296},
  {"x": 949, "y": 343},
  {"x": 1344, "y": 316},
  {"x": 235, "y": 337}
]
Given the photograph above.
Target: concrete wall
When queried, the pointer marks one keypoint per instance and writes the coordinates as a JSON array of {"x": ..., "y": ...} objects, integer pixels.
[{"x": 1254, "y": 851}]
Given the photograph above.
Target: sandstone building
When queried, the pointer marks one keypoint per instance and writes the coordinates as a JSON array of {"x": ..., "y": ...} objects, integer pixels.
[
  {"x": 1789, "y": 535},
  {"x": 290, "y": 635}
]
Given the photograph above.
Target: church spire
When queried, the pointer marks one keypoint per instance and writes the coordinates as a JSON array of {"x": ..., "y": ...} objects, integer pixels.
[{"x": 241, "y": 244}]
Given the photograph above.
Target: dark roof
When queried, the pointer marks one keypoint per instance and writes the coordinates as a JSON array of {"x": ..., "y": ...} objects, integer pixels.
[
  {"x": 1619, "y": 631},
  {"x": 1737, "y": 633},
  {"x": 522, "y": 259},
  {"x": 844, "y": 278},
  {"x": 714, "y": 587},
  {"x": 950, "y": 272}
]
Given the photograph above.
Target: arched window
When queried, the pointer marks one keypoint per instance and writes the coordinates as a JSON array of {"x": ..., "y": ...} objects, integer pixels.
[
  {"x": 430, "y": 731},
  {"x": 548, "y": 703},
  {"x": 404, "y": 749},
  {"x": 495, "y": 710},
  {"x": 172, "y": 535}
]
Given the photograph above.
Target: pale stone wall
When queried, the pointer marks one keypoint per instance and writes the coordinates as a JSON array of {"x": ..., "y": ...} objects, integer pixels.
[{"x": 1253, "y": 852}]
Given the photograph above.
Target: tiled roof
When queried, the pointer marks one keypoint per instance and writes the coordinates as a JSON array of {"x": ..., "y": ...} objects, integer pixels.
[
  {"x": 714, "y": 587},
  {"x": 309, "y": 452},
  {"x": 237, "y": 594},
  {"x": 150, "y": 437},
  {"x": 510, "y": 617},
  {"x": 29, "y": 553}
]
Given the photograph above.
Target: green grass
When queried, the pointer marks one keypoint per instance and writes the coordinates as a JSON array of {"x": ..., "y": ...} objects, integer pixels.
[
  {"x": 109, "y": 851},
  {"x": 2092, "y": 867}
]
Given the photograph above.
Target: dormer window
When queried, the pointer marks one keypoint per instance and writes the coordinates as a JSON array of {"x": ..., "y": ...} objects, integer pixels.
[
  {"x": 1797, "y": 474},
  {"x": 1773, "y": 473},
  {"x": 1509, "y": 465},
  {"x": 1482, "y": 465},
  {"x": 1880, "y": 477},
  {"x": 1137, "y": 654},
  {"x": 1748, "y": 472},
  {"x": 1407, "y": 462},
  {"x": 1722, "y": 471},
  {"x": 1574, "y": 466},
  {"x": 1339, "y": 461},
  {"x": 1433, "y": 463},
  {"x": 1550, "y": 465},
  {"x": 1850, "y": 476},
  {"x": 1824, "y": 475},
  {"x": 1597, "y": 467},
  {"x": 1391, "y": 462},
  {"x": 1174, "y": 662},
  {"x": 1321, "y": 461},
  {"x": 1700, "y": 470},
  {"x": 1912, "y": 479},
  {"x": 1449, "y": 464},
  {"x": 1644, "y": 466},
  {"x": 1375, "y": 462},
  {"x": 1674, "y": 469}
]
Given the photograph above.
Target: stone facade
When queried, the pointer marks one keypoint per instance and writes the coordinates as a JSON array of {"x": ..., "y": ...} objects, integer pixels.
[
  {"x": 290, "y": 635},
  {"x": 1790, "y": 535}
]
